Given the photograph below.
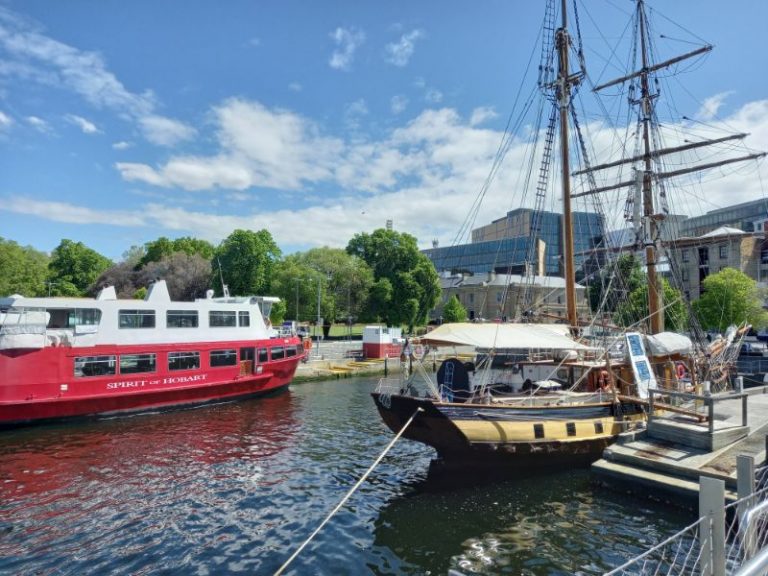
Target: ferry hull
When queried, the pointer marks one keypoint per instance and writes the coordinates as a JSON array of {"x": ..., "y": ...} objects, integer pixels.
[
  {"x": 505, "y": 438},
  {"x": 37, "y": 386}
]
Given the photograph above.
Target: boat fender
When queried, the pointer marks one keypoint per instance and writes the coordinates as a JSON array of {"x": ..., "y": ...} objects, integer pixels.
[{"x": 680, "y": 371}]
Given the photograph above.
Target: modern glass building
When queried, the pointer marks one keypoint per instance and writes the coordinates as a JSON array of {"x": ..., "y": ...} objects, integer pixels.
[
  {"x": 742, "y": 216},
  {"x": 509, "y": 244}
]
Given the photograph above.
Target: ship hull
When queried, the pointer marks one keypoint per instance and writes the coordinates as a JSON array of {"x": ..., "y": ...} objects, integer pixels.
[
  {"x": 38, "y": 386},
  {"x": 505, "y": 438}
]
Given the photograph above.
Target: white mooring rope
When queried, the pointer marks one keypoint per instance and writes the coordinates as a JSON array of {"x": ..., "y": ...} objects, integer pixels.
[{"x": 348, "y": 494}]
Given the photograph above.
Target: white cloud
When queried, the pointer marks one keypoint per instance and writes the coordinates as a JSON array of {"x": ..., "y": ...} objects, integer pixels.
[
  {"x": 399, "y": 53},
  {"x": 86, "y": 126},
  {"x": 354, "y": 112},
  {"x": 165, "y": 131},
  {"x": 122, "y": 145},
  {"x": 254, "y": 41},
  {"x": 5, "y": 121},
  {"x": 711, "y": 106},
  {"x": 295, "y": 87},
  {"x": 38, "y": 124},
  {"x": 481, "y": 114},
  {"x": 347, "y": 40},
  {"x": 69, "y": 213},
  {"x": 29, "y": 54},
  {"x": 433, "y": 96},
  {"x": 398, "y": 103}
]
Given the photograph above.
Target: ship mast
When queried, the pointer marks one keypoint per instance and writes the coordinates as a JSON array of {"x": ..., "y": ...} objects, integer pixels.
[{"x": 564, "y": 82}]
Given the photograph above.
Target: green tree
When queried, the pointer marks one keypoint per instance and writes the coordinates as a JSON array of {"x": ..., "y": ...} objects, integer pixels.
[
  {"x": 414, "y": 287},
  {"x": 635, "y": 308},
  {"x": 74, "y": 268},
  {"x": 453, "y": 311},
  {"x": 188, "y": 276},
  {"x": 730, "y": 297},
  {"x": 163, "y": 247},
  {"x": 23, "y": 270},
  {"x": 615, "y": 284},
  {"x": 277, "y": 313},
  {"x": 247, "y": 260}
]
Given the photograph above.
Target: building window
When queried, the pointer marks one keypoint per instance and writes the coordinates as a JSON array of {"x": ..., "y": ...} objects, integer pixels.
[
  {"x": 219, "y": 319},
  {"x": 181, "y": 319},
  {"x": 223, "y": 358},
  {"x": 245, "y": 319},
  {"x": 137, "y": 319},
  {"x": 95, "y": 366},
  {"x": 723, "y": 251},
  {"x": 183, "y": 360},
  {"x": 136, "y": 363},
  {"x": 471, "y": 297},
  {"x": 685, "y": 275},
  {"x": 686, "y": 255},
  {"x": 498, "y": 296}
]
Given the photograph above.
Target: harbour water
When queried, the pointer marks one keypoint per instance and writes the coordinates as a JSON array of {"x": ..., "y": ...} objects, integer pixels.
[{"x": 236, "y": 488}]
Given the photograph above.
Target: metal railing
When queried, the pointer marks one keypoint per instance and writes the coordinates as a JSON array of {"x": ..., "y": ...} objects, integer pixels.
[{"x": 699, "y": 405}]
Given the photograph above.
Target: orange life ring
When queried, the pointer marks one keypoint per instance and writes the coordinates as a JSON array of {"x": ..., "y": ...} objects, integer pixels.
[{"x": 680, "y": 371}]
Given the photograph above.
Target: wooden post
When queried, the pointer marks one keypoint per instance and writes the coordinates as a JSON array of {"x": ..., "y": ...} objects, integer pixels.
[
  {"x": 712, "y": 533},
  {"x": 386, "y": 368},
  {"x": 744, "y": 409}
]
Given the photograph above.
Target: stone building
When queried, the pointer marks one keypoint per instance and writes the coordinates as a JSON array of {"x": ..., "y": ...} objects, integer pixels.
[{"x": 500, "y": 296}]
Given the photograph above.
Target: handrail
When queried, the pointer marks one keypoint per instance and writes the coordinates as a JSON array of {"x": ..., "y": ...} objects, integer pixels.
[{"x": 707, "y": 400}]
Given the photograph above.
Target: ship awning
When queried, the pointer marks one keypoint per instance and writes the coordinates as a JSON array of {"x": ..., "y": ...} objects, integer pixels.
[{"x": 504, "y": 336}]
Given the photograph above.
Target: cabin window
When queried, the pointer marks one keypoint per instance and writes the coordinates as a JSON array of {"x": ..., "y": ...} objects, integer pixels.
[
  {"x": 538, "y": 430},
  {"x": 263, "y": 355},
  {"x": 290, "y": 351},
  {"x": 183, "y": 360},
  {"x": 723, "y": 252},
  {"x": 137, "y": 319},
  {"x": 71, "y": 317},
  {"x": 135, "y": 363},
  {"x": 222, "y": 318},
  {"x": 95, "y": 366},
  {"x": 181, "y": 319},
  {"x": 278, "y": 353},
  {"x": 223, "y": 358},
  {"x": 244, "y": 318},
  {"x": 598, "y": 427},
  {"x": 570, "y": 428}
]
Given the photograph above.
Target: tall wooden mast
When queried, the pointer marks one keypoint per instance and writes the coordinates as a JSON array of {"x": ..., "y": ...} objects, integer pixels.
[{"x": 564, "y": 81}]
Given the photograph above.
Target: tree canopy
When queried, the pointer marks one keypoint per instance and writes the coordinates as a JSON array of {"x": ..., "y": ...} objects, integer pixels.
[
  {"x": 614, "y": 285},
  {"x": 246, "y": 260},
  {"x": 730, "y": 297},
  {"x": 24, "y": 270},
  {"x": 634, "y": 309},
  {"x": 412, "y": 286},
  {"x": 453, "y": 311},
  {"x": 74, "y": 267},
  {"x": 163, "y": 247}
]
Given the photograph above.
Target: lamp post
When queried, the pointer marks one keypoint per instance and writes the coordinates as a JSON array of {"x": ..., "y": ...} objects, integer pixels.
[
  {"x": 319, "y": 320},
  {"x": 297, "y": 299}
]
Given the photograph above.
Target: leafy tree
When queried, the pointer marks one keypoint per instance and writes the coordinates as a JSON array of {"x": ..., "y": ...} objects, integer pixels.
[
  {"x": 620, "y": 280},
  {"x": 635, "y": 307},
  {"x": 730, "y": 297},
  {"x": 453, "y": 311},
  {"x": 134, "y": 255},
  {"x": 163, "y": 247},
  {"x": 277, "y": 313},
  {"x": 188, "y": 276},
  {"x": 247, "y": 261},
  {"x": 414, "y": 287},
  {"x": 122, "y": 276},
  {"x": 23, "y": 269},
  {"x": 74, "y": 268}
]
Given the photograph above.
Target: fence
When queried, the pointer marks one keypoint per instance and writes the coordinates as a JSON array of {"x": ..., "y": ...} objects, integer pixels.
[{"x": 727, "y": 539}]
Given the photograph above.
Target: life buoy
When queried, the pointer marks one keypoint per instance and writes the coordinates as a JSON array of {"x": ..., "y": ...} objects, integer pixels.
[{"x": 680, "y": 369}]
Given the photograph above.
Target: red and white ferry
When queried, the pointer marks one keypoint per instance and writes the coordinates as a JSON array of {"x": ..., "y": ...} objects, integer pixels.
[{"x": 71, "y": 357}]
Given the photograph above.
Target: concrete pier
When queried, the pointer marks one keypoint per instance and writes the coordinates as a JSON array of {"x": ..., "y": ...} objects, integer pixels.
[{"x": 666, "y": 460}]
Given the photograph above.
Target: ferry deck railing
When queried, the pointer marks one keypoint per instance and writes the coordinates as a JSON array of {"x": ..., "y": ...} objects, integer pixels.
[{"x": 726, "y": 540}]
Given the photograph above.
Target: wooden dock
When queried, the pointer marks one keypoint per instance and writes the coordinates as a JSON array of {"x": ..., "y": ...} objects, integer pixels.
[{"x": 665, "y": 461}]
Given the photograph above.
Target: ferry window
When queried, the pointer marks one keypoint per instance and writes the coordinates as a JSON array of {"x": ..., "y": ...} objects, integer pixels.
[
  {"x": 181, "y": 319},
  {"x": 71, "y": 317},
  {"x": 95, "y": 366},
  {"x": 290, "y": 351},
  {"x": 245, "y": 318},
  {"x": 183, "y": 360},
  {"x": 137, "y": 319},
  {"x": 223, "y": 358},
  {"x": 263, "y": 357},
  {"x": 135, "y": 363},
  {"x": 278, "y": 352},
  {"x": 222, "y": 318}
]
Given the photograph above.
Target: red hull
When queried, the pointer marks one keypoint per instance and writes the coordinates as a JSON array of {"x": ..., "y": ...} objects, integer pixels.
[{"x": 40, "y": 385}]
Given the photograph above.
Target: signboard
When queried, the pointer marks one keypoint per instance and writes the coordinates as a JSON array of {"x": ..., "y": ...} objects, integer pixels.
[{"x": 641, "y": 367}]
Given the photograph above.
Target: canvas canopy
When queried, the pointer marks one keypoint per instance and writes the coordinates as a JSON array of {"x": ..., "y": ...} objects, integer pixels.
[
  {"x": 669, "y": 343},
  {"x": 504, "y": 336}
]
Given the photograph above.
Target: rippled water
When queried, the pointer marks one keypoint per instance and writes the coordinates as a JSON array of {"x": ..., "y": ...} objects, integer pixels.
[{"x": 236, "y": 488}]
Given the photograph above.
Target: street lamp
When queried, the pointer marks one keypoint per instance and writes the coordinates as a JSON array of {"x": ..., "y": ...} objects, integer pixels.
[{"x": 297, "y": 299}]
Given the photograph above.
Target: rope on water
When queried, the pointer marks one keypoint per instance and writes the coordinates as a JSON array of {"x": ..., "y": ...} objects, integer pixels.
[{"x": 349, "y": 494}]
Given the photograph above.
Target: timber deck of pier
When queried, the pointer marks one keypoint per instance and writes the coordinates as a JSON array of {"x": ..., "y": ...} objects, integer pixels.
[{"x": 666, "y": 460}]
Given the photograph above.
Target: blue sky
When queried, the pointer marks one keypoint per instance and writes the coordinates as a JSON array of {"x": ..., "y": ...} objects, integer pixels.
[{"x": 124, "y": 121}]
